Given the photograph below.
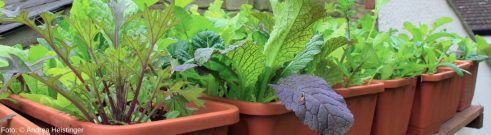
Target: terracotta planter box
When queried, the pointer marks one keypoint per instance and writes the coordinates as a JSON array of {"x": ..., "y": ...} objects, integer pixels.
[
  {"x": 214, "y": 119},
  {"x": 264, "y": 119},
  {"x": 361, "y": 102},
  {"x": 394, "y": 107},
  {"x": 468, "y": 88},
  {"x": 275, "y": 119},
  {"x": 466, "y": 84},
  {"x": 436, "y": 101},
  {"x": 18, "y": 125}
]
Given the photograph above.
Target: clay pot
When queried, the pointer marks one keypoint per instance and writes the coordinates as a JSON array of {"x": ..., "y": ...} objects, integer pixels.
[
  {"x": 361, "y": 102},
  {"x": 275, "y": 119},
  {"x": 18, "y": 125},
  {"x": 394, "y": 107},
  {"x": 436, "y": 101},
  {"x": 468, "y": 88},
  {"x": 463, "y": 84},
  {"x": 214, "y": 118},
  {"x": 264, "y": 119}
]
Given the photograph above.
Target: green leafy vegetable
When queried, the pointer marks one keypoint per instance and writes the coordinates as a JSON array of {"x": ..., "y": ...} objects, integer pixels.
[{"x": 107, "y": 63}]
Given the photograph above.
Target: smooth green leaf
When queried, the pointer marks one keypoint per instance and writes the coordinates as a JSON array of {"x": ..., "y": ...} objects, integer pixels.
[{"x": 441, "y": 21}]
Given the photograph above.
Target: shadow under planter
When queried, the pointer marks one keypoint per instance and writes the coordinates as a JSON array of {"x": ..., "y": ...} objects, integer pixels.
[
  {"x": 213, "y": 118},
  {"x": 275, "y": 119},
  {"x": 394, "y": 106}
]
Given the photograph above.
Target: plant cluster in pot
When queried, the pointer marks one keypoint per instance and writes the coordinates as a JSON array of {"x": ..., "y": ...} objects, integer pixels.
[
  {"x": 438, "y": 91},
  {"x": 354, "y": 54},
  {"x": 389, "y": 61},
  {"x": 99, "y": 71},
  {"x": 471, "y": 53},
  {"x": 253, "y": 58}
]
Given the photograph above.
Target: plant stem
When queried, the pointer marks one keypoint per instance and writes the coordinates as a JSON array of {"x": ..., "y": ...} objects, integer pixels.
[
  {"x": 154, "y": 37},
  {"x": 57, "y": 89},
  {"x": 264, "y": 83},
  {"x": 154, "y": 93},
  {"x": 50, "y": 39}
]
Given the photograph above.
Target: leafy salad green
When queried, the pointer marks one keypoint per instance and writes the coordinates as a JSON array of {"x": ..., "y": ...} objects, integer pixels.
[{"x": 103, "y": 63}]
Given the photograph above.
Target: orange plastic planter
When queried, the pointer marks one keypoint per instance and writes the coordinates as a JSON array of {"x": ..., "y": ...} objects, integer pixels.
[
  {"x": 19, "y": 125},
  {"x": 361, "y": 102},
  {"x": 436, "y": 101},
  {"x": 394, "y": 107},
  {"x": 214, "y": 119},
  {"x": 265, "y": 119},
  {"x": 469, "y": 85},
  {"x": 275, "y": 119}
]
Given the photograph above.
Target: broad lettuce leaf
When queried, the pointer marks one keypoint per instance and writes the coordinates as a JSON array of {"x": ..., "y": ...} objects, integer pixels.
[
  {"x": 248, "y": 63},
  {"x": 208, "y": 39},
  {"x": 292, "y": 31},
  {"x": 189, "y": 25}
]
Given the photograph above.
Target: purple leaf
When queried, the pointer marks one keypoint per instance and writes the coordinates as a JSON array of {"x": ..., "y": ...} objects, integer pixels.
[
  {"x": 315, "y": 103},
  {"x": 184, "y": 67}
]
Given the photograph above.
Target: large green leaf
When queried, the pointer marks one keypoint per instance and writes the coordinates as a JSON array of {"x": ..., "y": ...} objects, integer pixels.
[
  {"x": 294, "y": 20},
  {"x": 208, "y": 39},
  {"x": 248, "y": 63},
  {"x": 190, "y": 25}
]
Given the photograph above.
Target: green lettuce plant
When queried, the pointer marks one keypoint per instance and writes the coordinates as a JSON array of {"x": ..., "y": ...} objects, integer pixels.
[
  {"x": 266, "y": 54},
  {"x": 352, "y": 47},
  {"x": 355, "y": 52},
  {"x": 110, "y": 69},
  {"x": 470, "y": 50},
  {"x": 432, "y": 45},
  {"x": 247, "y": 66}
]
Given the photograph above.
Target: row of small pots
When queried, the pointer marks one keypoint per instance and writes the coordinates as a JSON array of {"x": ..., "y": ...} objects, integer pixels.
[{"x": 391, "y": 107}]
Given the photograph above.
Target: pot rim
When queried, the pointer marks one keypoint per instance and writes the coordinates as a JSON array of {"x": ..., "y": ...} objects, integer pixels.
[
  {"x": 367, "y": 89},
  {"x": 395, "y": 83},
  {"x": 221, "y": 115}
]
